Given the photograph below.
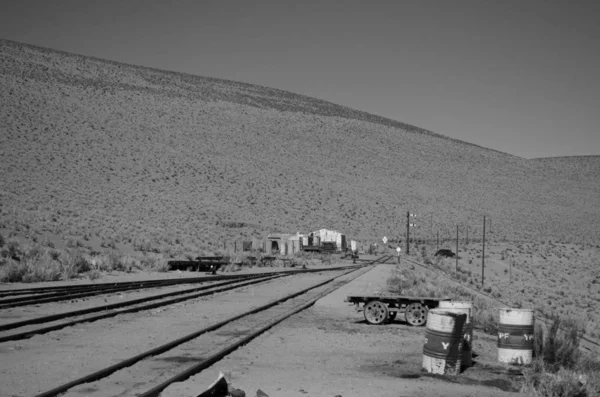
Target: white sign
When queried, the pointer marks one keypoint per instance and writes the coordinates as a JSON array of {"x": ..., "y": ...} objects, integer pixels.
[
  {"x": 398, "y": 249},
  {"x": 384, "y": 239}
]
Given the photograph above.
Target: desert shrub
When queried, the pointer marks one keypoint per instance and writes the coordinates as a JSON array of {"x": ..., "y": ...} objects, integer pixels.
[
  {"x": 143, "y": 245},
  {"x": 277, "y": 263},
  {"x": 560, "y": 344},
  {"x": 304, "y": 254},
  {"x": 116, "y": 261},
  {"x": 94, "y": 274},
  {"x": 301, "y": 262},
  {"x": 243, "y": 258},
  {"x": 37, "y": 264},
  {"x": 2, "y": 241},
  {"x": 154, "y": 263},
  {"x": 81, "y": 263},
  {"x": 49, "y": 244},
  {"x": 11, "y": 249},
  {"x": 12, "y": 271},
  {"x": 560, "y": 368},
  {"x": 42, "y": 267}
]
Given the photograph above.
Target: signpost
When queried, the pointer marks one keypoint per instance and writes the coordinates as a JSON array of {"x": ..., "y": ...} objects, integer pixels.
[
  {"x": 398, "y": 250},
  {"x": 408, "y": 226},
  {"x": 384, "y": 239}
]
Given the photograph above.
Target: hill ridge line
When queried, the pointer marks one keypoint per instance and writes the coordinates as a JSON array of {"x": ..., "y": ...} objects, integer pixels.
[{"x": 369, "y": 116}]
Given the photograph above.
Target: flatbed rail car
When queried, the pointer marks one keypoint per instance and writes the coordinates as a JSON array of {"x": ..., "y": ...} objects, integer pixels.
[
  {"x": 201, "y": 264},
  {"x": 381, "y": 308}
]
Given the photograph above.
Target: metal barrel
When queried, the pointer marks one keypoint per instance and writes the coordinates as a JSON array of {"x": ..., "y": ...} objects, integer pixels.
[
  {"x": 465, "y": 307},
  {"x": 515, "y": 336},
  {"x": 443, "y": 342}
]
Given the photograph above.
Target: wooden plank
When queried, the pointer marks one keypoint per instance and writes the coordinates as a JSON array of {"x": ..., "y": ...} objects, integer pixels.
[{"x": 362, "y": 298}]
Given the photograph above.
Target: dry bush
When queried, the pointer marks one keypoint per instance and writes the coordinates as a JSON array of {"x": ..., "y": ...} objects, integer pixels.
[
  {"x": 560, "y": 368},
  {"x": 39, "y": 266},
  {"x": 154, "y": 263}
]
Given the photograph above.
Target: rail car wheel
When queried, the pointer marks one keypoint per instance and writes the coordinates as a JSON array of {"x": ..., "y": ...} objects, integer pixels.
[
  {"x": 416, "y": 314},
  {"x": 376, "y": 312}
]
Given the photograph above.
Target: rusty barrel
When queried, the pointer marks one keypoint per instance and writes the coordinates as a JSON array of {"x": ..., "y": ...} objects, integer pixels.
[
  {"x": 443, "y": 342},
  {"x": 515, "y": 336},
  {"x": 465, "y": 307}
]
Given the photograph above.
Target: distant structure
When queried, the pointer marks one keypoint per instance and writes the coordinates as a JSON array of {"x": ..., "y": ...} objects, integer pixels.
[{"x": 322, "y": 240}]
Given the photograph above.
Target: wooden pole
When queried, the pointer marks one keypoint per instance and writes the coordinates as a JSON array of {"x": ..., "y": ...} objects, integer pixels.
[
  {"x": 456, "y": 249},
  {"x": 438, "y": 240},
  {"x": 483, "y": 255},
  {"x": 510, "y": 272},
  {"x": 407, "y": 232}
]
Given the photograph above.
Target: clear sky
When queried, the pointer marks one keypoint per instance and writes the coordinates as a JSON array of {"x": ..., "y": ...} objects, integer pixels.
[{"x": 522, "y": 77}]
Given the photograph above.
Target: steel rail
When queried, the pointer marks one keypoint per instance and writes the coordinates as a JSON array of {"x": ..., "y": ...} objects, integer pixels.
[
  {"x": 78, "y": 291},
  {"x": 78, "y": 295},
  {"x": 99, "y": 289},
  {"x": 63, "y": 288},
  {"x": 211, "y": 291},
  {"x": 74, "y": 294},
  {"x": 197, "y": 368},
  {"x": 118, "y": 305},
  {"x": 184, "y": 280},
  {"x": 60, "y": 316},
  {"x": 102, "y": 373}
]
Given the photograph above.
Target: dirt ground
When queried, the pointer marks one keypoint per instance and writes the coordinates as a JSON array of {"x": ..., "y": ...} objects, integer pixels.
[
  {"x": 45, "y": 361},
  {"x": 329, "y": 350}
]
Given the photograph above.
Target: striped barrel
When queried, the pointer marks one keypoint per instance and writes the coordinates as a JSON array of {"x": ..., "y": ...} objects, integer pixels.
[
  {"x": 515, "y": 336},
  {"x": 443, "y": 342},
  {"x": 465, "y": 307}
]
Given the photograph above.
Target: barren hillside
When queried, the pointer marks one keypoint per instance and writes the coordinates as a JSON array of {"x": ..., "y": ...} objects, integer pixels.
[{"x": 93, "y": 149}]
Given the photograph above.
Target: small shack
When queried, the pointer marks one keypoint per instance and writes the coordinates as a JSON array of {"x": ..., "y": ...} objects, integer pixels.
[
  {"x": 326, "y": 237},
  {"x": 282, "y": 243}
]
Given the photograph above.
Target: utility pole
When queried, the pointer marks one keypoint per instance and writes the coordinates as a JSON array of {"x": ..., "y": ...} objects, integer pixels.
[
  {"x": 407, "y": 232},
  {"x": 408, "y": 226},
  {"x": 467, "y": 235},
  {"x": 483, "y": 255},
  {"x": 456, "y": 249},
  {"x": 510, "y": 272},
  {"x": 438, "y": 240},
  {"x": 431, "y": 225}
]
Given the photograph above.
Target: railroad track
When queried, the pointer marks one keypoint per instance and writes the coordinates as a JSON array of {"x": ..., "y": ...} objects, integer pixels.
[
  {"x": 206, "y": 345},
  {"x": 35, "y": 296},
  {"x": 135, "y": 305},
  {"x": 589, "y": 344},
  {"x": 130, "y": 306},
  {"x": 100, "y": 286},
  {"x": 77, "y": 292}
]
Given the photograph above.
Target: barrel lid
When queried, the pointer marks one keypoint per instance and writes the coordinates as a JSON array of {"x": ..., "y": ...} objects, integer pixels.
[{"x": 446, "y": 313}]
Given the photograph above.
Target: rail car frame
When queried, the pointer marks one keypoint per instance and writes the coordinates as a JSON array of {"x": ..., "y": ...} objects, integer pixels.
[
  {"x": 379, "y": 309},
  {"x": 208, "y": 264}
]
